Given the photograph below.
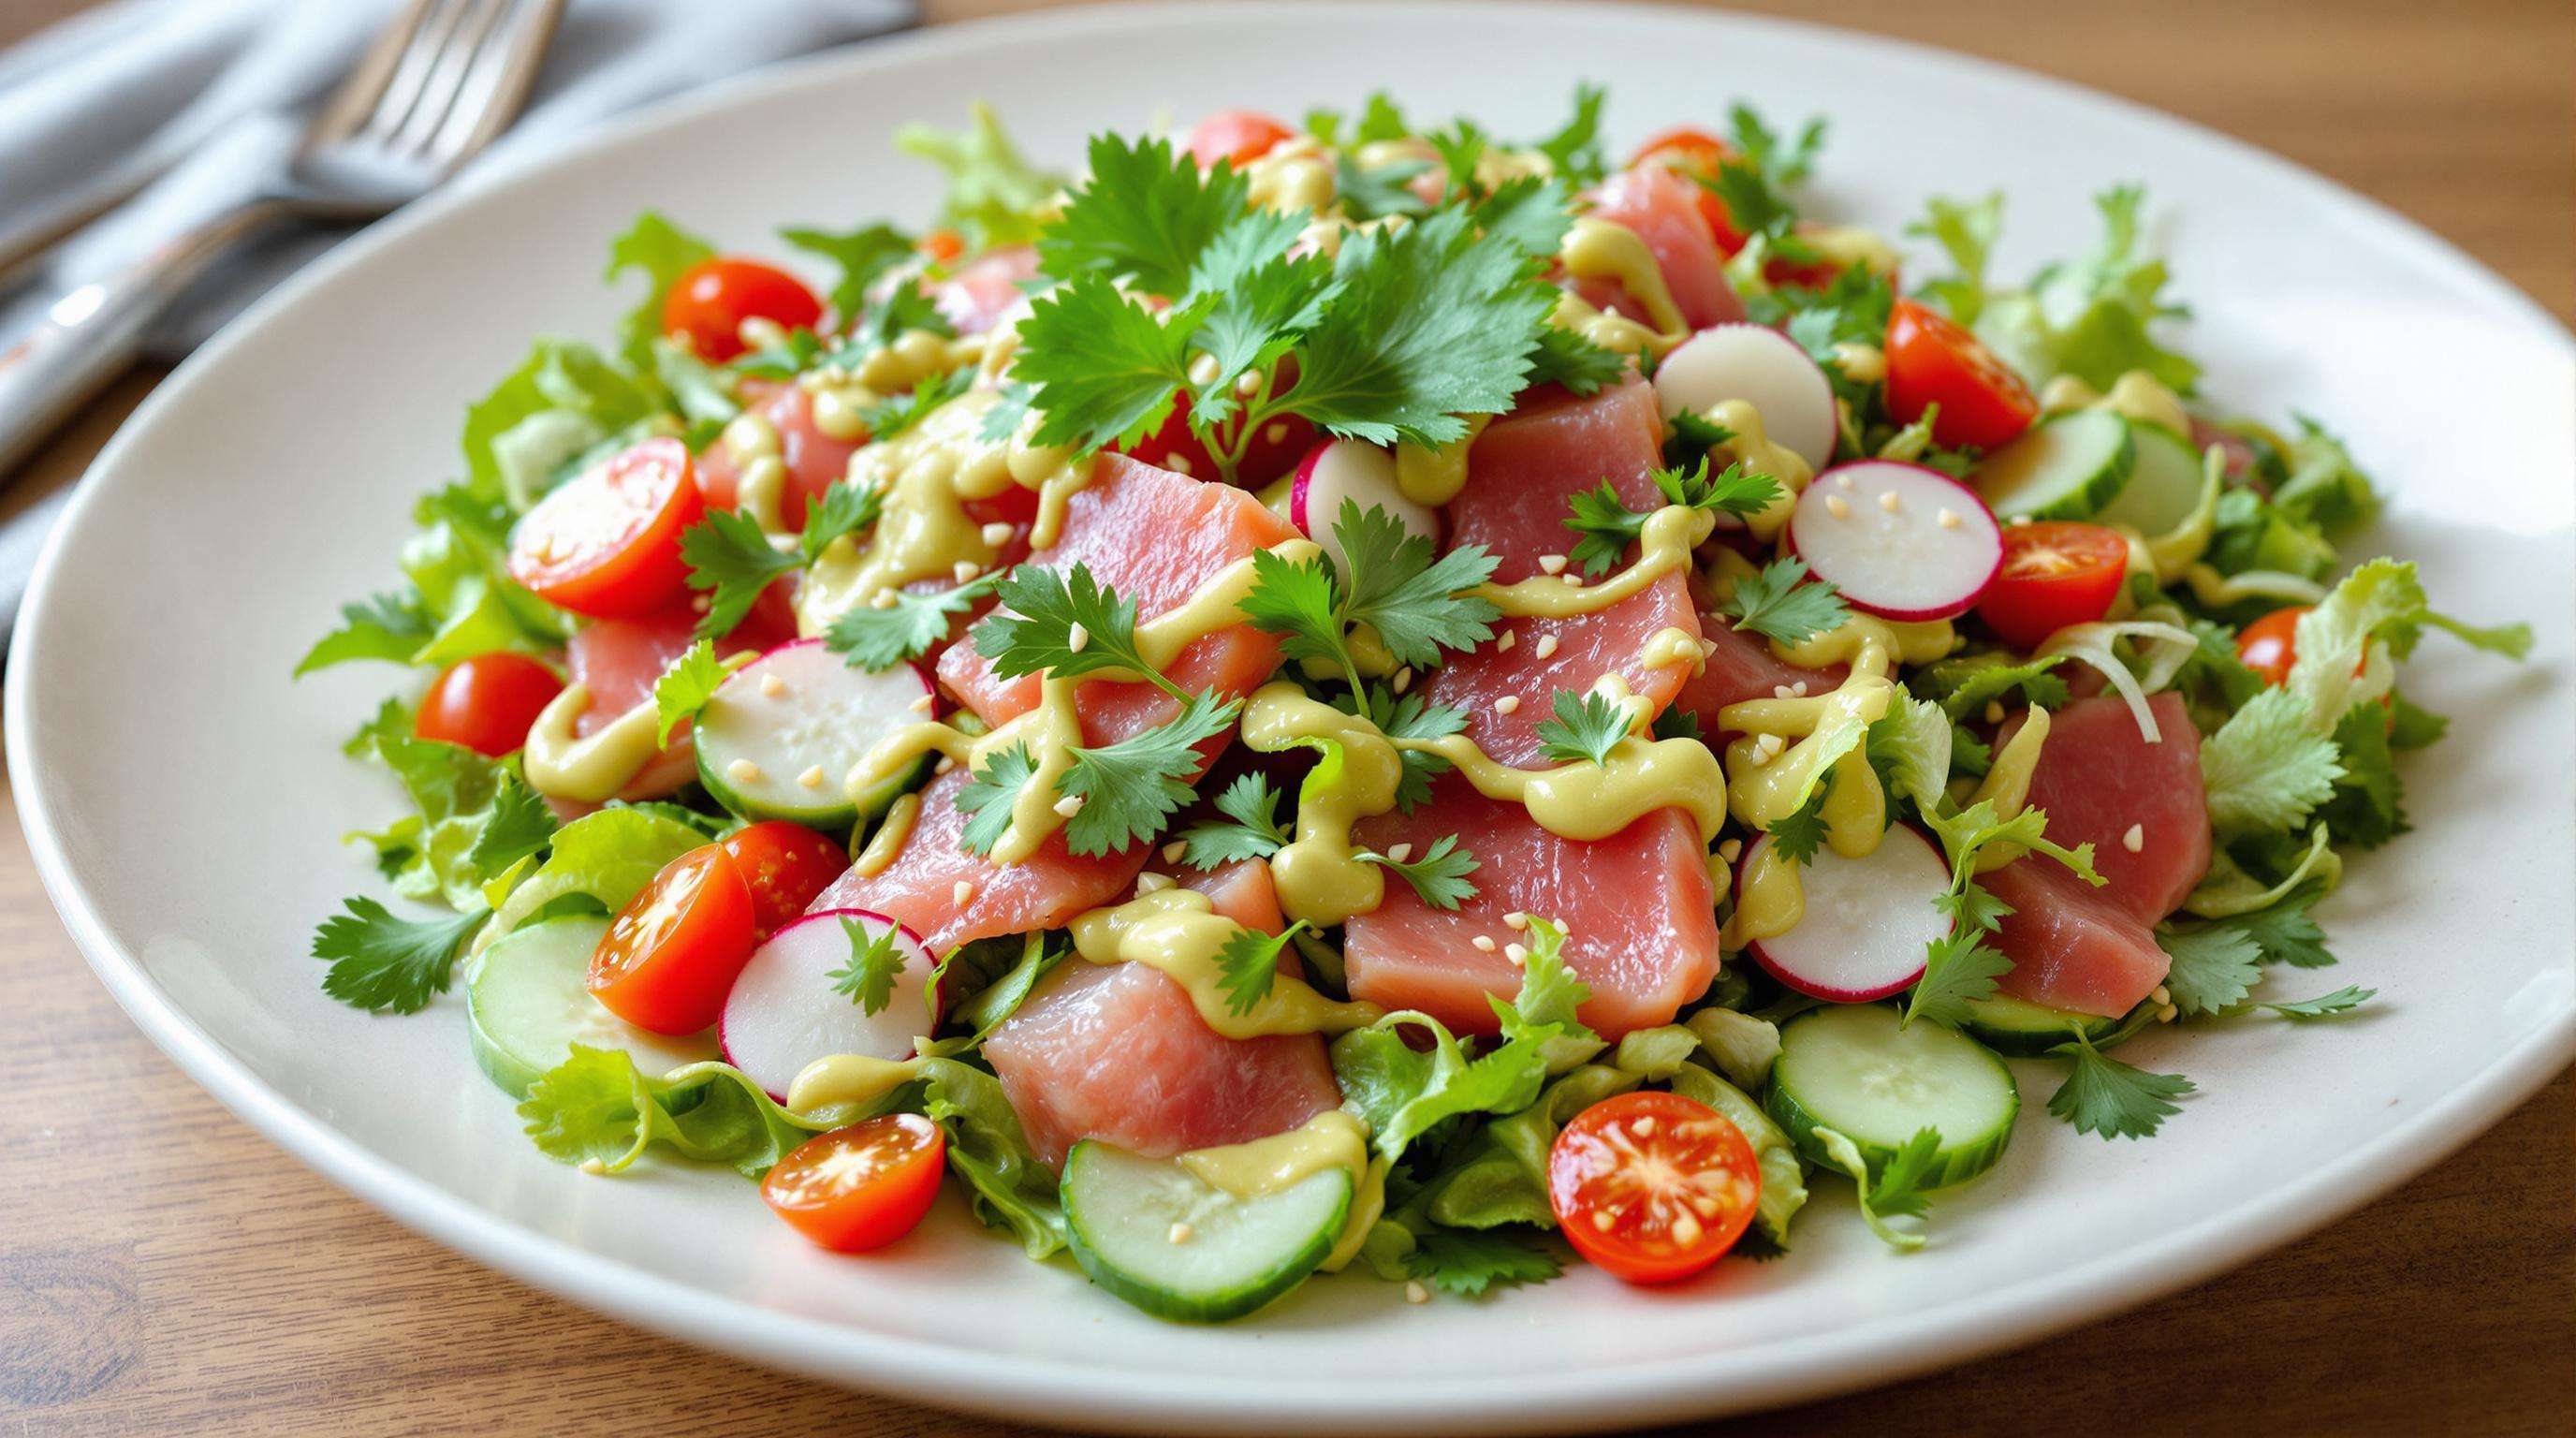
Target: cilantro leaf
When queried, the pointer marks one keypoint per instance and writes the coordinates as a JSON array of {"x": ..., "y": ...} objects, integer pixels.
[
  {"x": 1375, "y": 193},
  {"x": 2284, "y": 931},
  {"x": 1608, "y": 526},
  {"x": 798, "y": 351},
  {"x": 1965, "y": 684},
  {"x": 1776, "y": 603},
  {"x": 1106, "y": 367},
  {"x": 519, "y": 824},
  {"x": 1961, "y": 966},
  {"x": 393, "y": 720},
  {"x": 862, "y": 255},
  {"x": 1586, "y": 727},
  {"x": 1249, "y": 964},
  {"x": 686, "y": 686},
  {"x": 2323, "y": 1006},
  {"x": 876, "y": 639},
  {"x": 383, "y": 626},
  {"x": 2265, "y": 770},
  {"x": 663, "y": 251},
  {"x": 1128, "y": 789},
  {"x": 1903, "y": 1186},
  {"x": 1465, "y": 1262},
  {"x": 989, "y": 794},
  {"x": 843, "y": 510},
  {"x": 1065, "y": 625},
  {"x": 1257, "y": 317},
  {"x": 1974, "y": 907},
  {"x": 384, "y": 964},
  {"x": 1408, "y": 716},
  {"x": 1569, "y": 359},
  {"x": 1529, "y": 214},
  {"x": 728, "y": 554},
  {"x": 1798, "y": 832},
  {"x": 1300, "y": 601},
  {"x": 1146, "y": 215},
  {"x": 2111, "y": 1098},
  {"x": 1575, "y": 149},
  {"x": 1438, "y": 876},
  {"x": 868, "y": 978},
  {"x": 1417, "y": 604},
  {"x": 2368, "y": 805},
  {"x": 2213, "y": 967},
  {"x": 888, "y": 418},
  {"x": 1253, "y": 806}
]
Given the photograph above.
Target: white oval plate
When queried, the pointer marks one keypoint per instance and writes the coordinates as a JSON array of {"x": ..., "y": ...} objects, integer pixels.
[{"x": 183, "y": 798}]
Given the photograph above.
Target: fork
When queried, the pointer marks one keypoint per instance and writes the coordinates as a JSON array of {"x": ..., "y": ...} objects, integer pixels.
[{"x": 438, "y": 85}]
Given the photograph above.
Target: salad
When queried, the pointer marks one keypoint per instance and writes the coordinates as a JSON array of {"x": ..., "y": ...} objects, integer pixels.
[{"x": 1371, "y": 696}]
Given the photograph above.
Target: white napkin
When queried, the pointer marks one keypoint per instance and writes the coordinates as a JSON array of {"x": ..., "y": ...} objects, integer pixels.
[{"x": 123, "y": 91}]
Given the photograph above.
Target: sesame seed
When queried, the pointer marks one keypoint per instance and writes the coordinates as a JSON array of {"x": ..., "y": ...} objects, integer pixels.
[
  {"x": 1069, "y": 805},
  {"x": 1779, "y": 691},
  {"x": 1414, "y": 1292},
  {"x": 965, "y": 569},
  {"x": 1177, "y": 464},
  {"x": 1516, "y": 921},
  {"x": 812, "y": 778},
  {"x": 1173, "y": 851},
  {"x": 944, "y": 765},
  {"x": 922, "y": 704},
  {"x": 1510, "y": 638},
  {"x": 1757, "y": 756},
  {"x": 1151, "y": 883},
  {"x": 1770, "y": 745},
  {"x": 1834, "y": 506},
  {"x": 963, "y": 890},
  {"x": 1708, "y": 647},
  {"x": 1404, "y": 679},
  {"x": 744, "y": 771},
  {"x": 1799, "y": 689},
  {"x": 2135, "y": 839},
  {"x": 882, "y": 599},
  {"x": 1484, "y": 942},
  {"x": 997, "y": 534},
  {"x": 1572, "y": 581},
  {"x": 1843, "y": 481},
  {"x": 1994, "y": 711},
  {"x": 1731, "y": 850},
  {"x": 2162, "y": 996},
  {"x": 1516, "y": 953},
  {"x": 1400, "y": 852},
  {"x": 1552, "y": 563},
  {"x": 1180, "y": 1233},
  {"x": 771, "y": 686},
  {"x": 1250, "y": 382},
  {"x": 1276, "y": 432},
  {"x": 1076, "y": 637},
  {"x": 1546, "y": 646},
  {"x": 1888, "y": 501},
  {"x": 1948, "y": 518},
  {"x": 1508, "y": 704}
]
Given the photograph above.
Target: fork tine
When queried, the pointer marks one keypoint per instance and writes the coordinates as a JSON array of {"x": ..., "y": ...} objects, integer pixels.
[
  {"x": 489, "y": 96},
  {"x": 438, "y": 92},
  {"x": 372, "y": 77},
  {"x": 411, "y": 76}
]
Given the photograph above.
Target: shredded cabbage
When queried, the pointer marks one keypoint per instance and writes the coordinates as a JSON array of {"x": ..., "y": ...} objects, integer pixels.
[{"x": 2166, "y": 645}]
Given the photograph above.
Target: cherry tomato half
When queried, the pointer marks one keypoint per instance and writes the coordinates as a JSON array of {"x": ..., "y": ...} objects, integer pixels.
[
  {"x": 1932, "y": 361},
  {"x": 785, "y": 865},
  {"x": 860, "y": 1187},
  {"x": 606, "y": 543},
  {"x": 2269, "y": 645},
  {"x": 711, "y": 299},
  {"x": 486, "y": 702},
  {"x": 1241, "y": 136},
  {"x": 1652, "y": 1186},
  {"x": 2055, "y": 573},
  {"x": 671, "y": 955},
  {"x": 1700, "y": 154},
  {"x": 1176, "y": 446}
]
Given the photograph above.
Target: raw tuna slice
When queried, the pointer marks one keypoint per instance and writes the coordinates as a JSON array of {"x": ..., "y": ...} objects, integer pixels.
[
  {"x": 1744, "y": 668},
  {"x": 1640, "y": 917},
  {"x": 1533, "y": 670},
  {"x": 1526, "y": 466},
  {"x": 986, "y": 292},
  {"x": 2074, "y": 946},
  {"x": 618, "y": 660},
  {"x": 1155, "y": 537},
  {"x": 920, "y": 888},
  {"x": 1663, "y": 208},
  {"x": 1240, "y": 891},
  {"x": 1118, "y": 1052},
  {"x": 815, "y": 460}
]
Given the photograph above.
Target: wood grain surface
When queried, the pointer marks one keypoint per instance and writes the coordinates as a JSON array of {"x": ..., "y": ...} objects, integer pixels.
[{"x": 163, "y": 1270}]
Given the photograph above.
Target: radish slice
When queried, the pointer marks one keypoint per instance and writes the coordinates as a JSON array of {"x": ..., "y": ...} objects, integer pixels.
[
  {"x": 1900, "y": 541},
  {"x": 784, "y": 1012},
  {"x": 1869, "y": 922},
  {"x": 1341, "y": 470},
  {"x": 1763, "y": 367}
]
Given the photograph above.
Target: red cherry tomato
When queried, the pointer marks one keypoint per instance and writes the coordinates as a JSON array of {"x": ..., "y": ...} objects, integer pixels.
[
  {"x": 711, "y": 299},
  {"x": 2269, "y": 645},
  {"x": 1241, "y": 136},
  {"x": 1176, "y": 447},
  {"x": 672, "y": 953},
  {"x": 486, "y": 702},
  {"x": 785, "y": 865},
  {"x": 1933, "y": 361},
  {"x": 606, "y": 543},
  {"x": 860, "y": 1187},
  {"x": 1652, "y": 1186},
  {"x": 2055, "y": 573},
  {"x": 942, "y": 245},
  {"x": 1700, "y": 154}
]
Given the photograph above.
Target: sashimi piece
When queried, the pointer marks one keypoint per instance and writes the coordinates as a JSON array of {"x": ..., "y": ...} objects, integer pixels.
[
  {"x": 1662, "y": 207},
  {"x": 1639, "y": 913},
  {"x": 815, "y": 460},
  {"x": 922, "y": 887},
  {"x": 984, "y": 292},
  {"x": 1118, "y": 1052},
  {"x": 2073, "y": 946},
  {"x": 1155, "y": 537},
  {"x": 618, "y": 660},
  {"x": 1585, "y": 647},
  {"x": 1526, "y": 466},
  {"x": 1743, "y": 667},
  {"x": 2097, "y": 776},
  {"x": 1241, "y": 891}
]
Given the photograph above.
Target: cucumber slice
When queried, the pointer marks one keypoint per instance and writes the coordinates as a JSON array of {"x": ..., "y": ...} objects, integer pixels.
[
  {"x": 2020, "y": 1029},
  {"x": 530, "y": 1003},
  {"x": 2065, "y": 467},
  {"x": 759, "y": 741},
  {"x": 1122, "y": 1209},
  {"x": 1853, "y": 1069},
  {"x": 2163, "y": 487}
]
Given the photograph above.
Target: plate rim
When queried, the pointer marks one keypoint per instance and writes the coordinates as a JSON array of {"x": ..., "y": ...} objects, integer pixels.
[{"x": 1043, "y": 1390}]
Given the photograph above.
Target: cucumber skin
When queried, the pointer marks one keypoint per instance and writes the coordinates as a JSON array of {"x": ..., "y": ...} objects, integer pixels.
[
  {"x": 1164, "y": 1303},
  {"x": 2147, "y": 437},
  {"x": 514, "y": 1077},
  {"x": 1959, "y": 1162},
  {"x": 2086, "y": 499},
  {"x": 1993, "y": 1026}
]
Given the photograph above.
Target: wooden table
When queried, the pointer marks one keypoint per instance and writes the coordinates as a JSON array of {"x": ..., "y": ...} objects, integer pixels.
[{"x": 163, "y": 1270}]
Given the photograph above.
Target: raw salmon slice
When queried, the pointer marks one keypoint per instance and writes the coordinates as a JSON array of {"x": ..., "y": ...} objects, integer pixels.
[{"x": 1663, "y": 208}]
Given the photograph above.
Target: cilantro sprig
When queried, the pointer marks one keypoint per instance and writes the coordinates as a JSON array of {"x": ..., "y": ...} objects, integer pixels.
[
  {"x": 1248, "y": 966},
  {"x": 1251, "y": 828},
  {"x": 1066, "y": 623},
  {"x": 384, "y": 964},
  {"x": 1605, "y": 526},
  {"x": 1585, "y": 728},
  {"x": 876, "y": 640},
  {"x": 1780, "y": 603},
  {"x": 1417, "y": 603},
  {"x": 1438, "y": 875},
  {"x": 2104, "y": 1096},
  {"x": 867, "y": 979},
  {"x": 729, "y": 556}
]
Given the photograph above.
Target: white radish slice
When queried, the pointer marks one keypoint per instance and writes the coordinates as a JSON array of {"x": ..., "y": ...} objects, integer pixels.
[
  {"x": 1350, "y": 470},
  {"x": 1900, "y": 541},
  {"x": 1762, "y": 367},
  {"x": 1869, "y": 922},
  {"x": 784, "y": 1011}
]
